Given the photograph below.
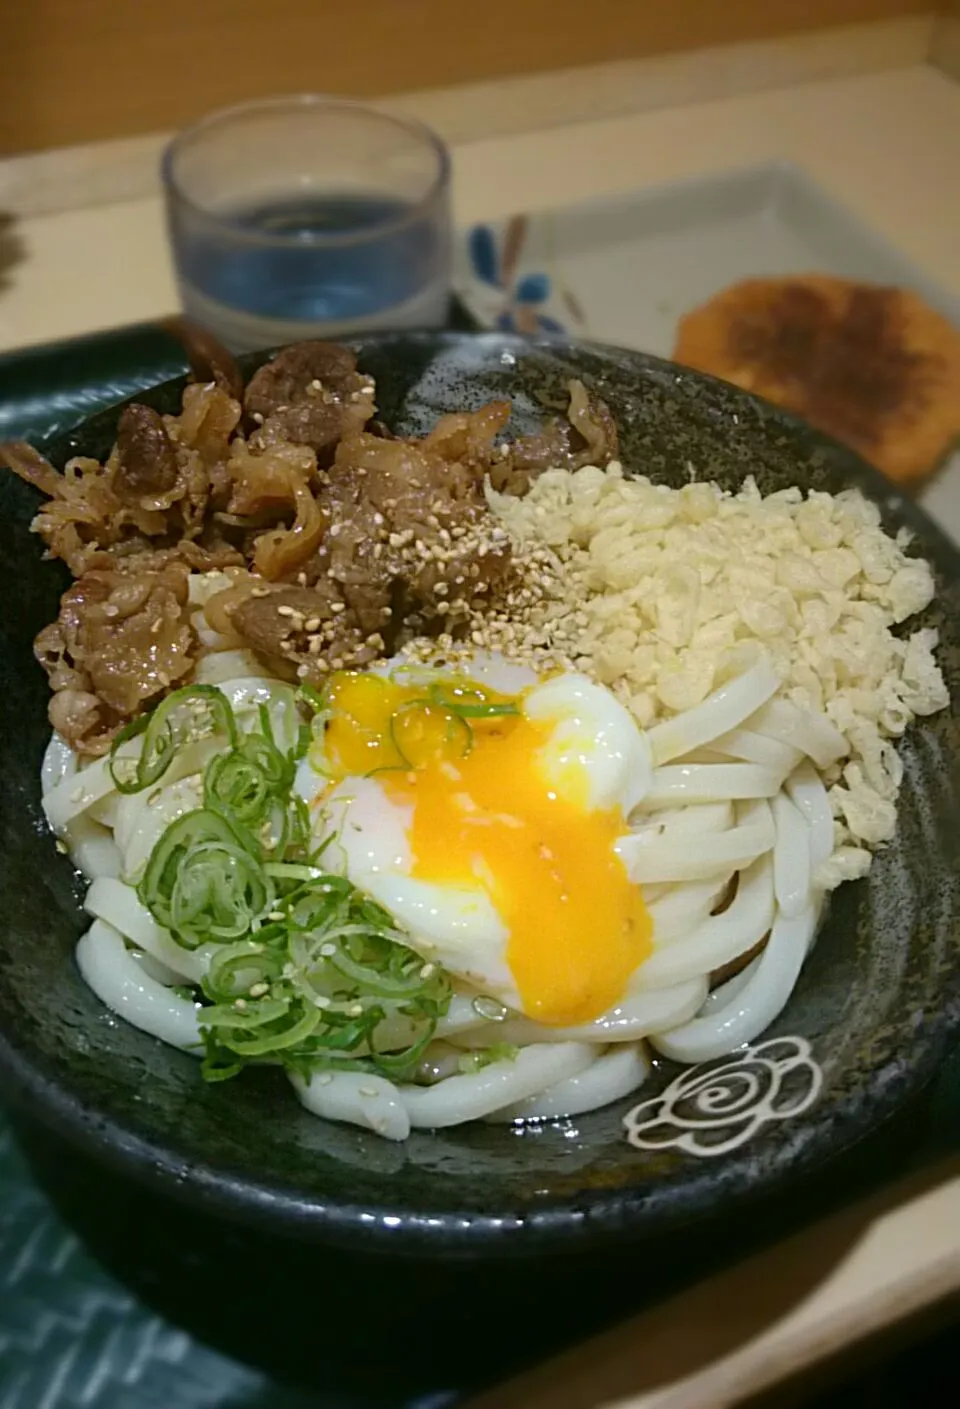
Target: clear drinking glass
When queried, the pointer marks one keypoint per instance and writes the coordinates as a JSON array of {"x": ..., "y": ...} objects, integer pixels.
[{"x": 308, "y": 216}]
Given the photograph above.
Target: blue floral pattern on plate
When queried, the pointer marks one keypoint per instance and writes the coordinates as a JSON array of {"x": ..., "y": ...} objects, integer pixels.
[{"x": 510, "y": 296}]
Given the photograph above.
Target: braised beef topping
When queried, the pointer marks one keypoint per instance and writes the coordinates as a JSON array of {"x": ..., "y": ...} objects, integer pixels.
[
  {"x": 345, "y": 540},
  {"x": 146, "y": 458}
]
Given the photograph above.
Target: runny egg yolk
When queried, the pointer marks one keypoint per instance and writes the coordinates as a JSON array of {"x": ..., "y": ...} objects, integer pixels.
[{"x": 483, "y": 813}]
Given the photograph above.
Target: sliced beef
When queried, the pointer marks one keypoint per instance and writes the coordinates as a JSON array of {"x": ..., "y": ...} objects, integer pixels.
[
  {"x": 146, "y": 456},
  {"x": 286, "y": 378},
  {"x": 209, "y": 360},
  {"x": 587, "y": 436},
  {"x": 311, "y": 394},
  {"x": 412, "y": 532},
  {"x": 301, "y": 631},
  {"x": 122, "y": 638}
]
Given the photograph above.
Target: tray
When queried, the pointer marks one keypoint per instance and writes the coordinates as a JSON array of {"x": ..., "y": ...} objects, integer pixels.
[
  {"x": 623, "y": 270},
  {"x": 72, "y": 1333}
]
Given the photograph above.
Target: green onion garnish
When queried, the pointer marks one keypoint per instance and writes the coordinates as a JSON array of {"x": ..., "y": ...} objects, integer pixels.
[
  {"x": 469, "y": 704},
  {"x": 416, "y": 738},
  {"x": 205, "y": 881},
  {"x": 188, "y": 714},
  {"x": 307, "y": 972}
]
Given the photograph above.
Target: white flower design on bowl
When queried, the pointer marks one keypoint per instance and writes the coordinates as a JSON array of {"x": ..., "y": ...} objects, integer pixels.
[{"x": 716, "y": 1107}]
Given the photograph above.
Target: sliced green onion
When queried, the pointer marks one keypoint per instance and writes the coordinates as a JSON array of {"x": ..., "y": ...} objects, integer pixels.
[
  {"x": 469, "y": 704},
  {"x": 410, "y": 726},
  {"x": 125, "y": 781},
  {"x": 236, "y": 968},
  {"x": 204, "y": 880},
  {"x": 374, "y": 980},
  {"x": 402, "y": 1063},
  {"x": 305, "y": 969},
  {"x": 289, "y": 871},
  {"x": 195, "y": 711},
  {"x": 228, "y": 1017},
  {"x": 309, "y": 696}
]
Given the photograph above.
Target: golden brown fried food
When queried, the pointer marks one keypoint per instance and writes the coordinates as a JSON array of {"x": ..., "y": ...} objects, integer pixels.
[{"x": 875, "y": 367}]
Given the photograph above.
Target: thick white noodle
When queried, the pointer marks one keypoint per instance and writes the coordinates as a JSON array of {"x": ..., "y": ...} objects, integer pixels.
[
  {"x": 812, "y": 733},
  {"x": 755, "y": 1006},
  {"x": 808, "y": 794},
  {"x": 683, "y": 908},
  {"x": 713, "y": 855},
  {"x": 118, "y": 905},
  {"x": 684, "y": 821},
  {"x": 142, "y": 819},
  {"x": 653, "y": 1010},
  {"x": 105, "y": 811},
  {"x": 94, "y": 784},
  {"x": 245, "y": 692},
  {"x": 92, "y": 849},
  {"x": 726, "y": 992},
  {"x": 613, "y": 1075},
  {"x": 462, "y": 1098},
  {"x": 684, "y": 783},
  {"x": 120, "y": 982},
  {"x": 77, "y": 791},
  {"x": 59, "y": 761},
  {"x": 791, "y": 858},
  {"x": 751, "y": 747},
  {"x": 720, "y": 938},
  {"x": 357, "y": 1099},
  {"x": 227, "y": 666},
  {"x": 720, "y": 712},
  {"x": 461, "y": 1015},
  {"x": 154, "y": 968}
]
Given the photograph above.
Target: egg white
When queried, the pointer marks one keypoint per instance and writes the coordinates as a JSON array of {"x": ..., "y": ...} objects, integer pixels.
[{"x": 594, "y": 740}]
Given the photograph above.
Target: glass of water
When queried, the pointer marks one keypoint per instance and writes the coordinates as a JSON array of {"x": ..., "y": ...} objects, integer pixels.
[{"x": 307, "y": 217}]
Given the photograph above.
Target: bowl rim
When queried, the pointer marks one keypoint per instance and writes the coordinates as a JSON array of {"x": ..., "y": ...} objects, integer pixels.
[{"x": 564, "y": 1224}]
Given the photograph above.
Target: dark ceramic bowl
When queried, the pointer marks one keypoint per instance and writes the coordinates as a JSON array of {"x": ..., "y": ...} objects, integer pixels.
[{"x": 876, "y": 1010}]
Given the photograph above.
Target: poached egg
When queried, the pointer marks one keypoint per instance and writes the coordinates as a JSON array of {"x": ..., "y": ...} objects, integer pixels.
[{"x": 482, "y": 808}]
